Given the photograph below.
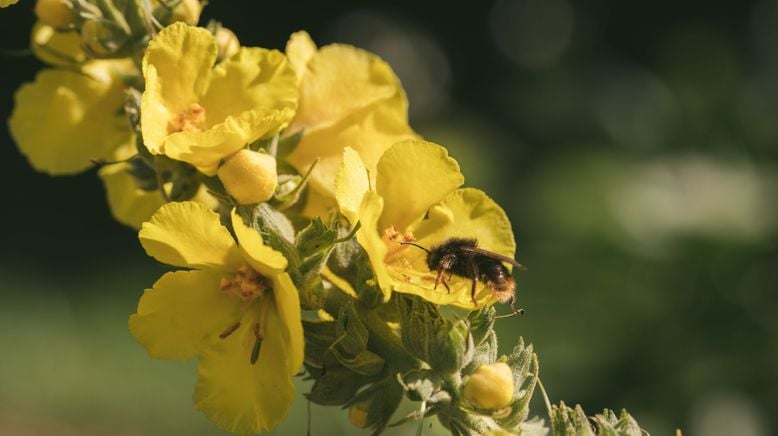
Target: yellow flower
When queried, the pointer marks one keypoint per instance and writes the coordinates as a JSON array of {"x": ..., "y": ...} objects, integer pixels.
[
  {"x": 200, "y": 114},
  {"x": 416, "y": 199},
  {"x": 6, "y": 3},
  {"x": 348, "y": 97},
  {"x": 66, "y": 119},
  {"x": 234, "y": 308}
]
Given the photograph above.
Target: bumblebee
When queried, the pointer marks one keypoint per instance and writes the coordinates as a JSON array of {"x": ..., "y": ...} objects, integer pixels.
[{"x": 462, "y": 257}]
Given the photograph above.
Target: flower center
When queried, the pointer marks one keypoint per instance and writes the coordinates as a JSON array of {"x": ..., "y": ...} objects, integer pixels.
[
  {"x": 394, "y": 240},
  {"x": 246, "y": 284},
  {"x": 188, "y": 120}
]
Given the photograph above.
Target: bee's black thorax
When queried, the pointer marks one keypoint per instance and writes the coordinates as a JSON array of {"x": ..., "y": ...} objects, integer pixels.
[{"x": 449, "y": 256}]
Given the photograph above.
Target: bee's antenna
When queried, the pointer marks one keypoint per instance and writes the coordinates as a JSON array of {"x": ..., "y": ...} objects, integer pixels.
[{"x": 415, "y": 245}]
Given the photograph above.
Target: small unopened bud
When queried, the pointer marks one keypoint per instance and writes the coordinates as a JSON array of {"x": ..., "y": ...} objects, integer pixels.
[
  {"x": 187, "y": 11},
  {"x": 357, "y": 414},
  {"x": 249, "y": 177},
  {"x": 227, "y": 42},
  {"x": 490, "y": 386},
  {"x": 55, "y": 13}
]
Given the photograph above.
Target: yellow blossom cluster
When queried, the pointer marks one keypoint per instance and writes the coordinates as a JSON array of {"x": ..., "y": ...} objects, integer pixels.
[{"x": 188, "y": 132}]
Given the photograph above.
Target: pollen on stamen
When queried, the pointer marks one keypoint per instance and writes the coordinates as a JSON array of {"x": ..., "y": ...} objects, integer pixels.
[
  {"x": 188, "y": 120},
  {"x": 394, "y": 240},
  {"x": 246, "y": 284}
]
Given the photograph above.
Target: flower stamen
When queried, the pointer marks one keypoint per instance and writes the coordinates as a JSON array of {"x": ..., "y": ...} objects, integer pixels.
[
  {"x": 247, "y": 284},
  {"x": 188, "y": 120},
  {"x": 258, "y": 338},
  {"x": 394, "y": 241},
  {"x": 229, "y": 330}
]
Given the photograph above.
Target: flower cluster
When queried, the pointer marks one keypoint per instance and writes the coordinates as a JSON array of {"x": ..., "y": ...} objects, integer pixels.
[{"x": 317, "y": 232}]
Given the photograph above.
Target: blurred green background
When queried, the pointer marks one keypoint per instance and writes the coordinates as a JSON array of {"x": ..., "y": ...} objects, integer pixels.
[{"x": 634, "y": 146}]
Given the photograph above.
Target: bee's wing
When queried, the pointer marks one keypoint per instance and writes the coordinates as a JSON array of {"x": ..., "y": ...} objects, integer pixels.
[{"x": 493, "y": 255}]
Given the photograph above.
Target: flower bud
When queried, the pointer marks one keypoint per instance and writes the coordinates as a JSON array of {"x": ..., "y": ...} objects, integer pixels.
[
  {"x": 490, "y": 386},
  {"x": 55, "y": 13},
  {"x": 187, "y": 11},
  {"x": 357, "y": 414},
  {"x": 249, "y": 177},
  {"x": 227, "y": 42}
]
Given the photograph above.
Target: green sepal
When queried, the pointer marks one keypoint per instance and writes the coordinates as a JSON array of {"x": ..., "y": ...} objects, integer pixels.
[
  {"x": 423, "y": 385},
  {"x": 428, "y": 336},
  {"x": 277, "y": 231},
  {"x": 315, "y": 238},
  {"x": 608, "y": 424},
  {"x": 574, "y": 422},
  {"x": 350, "y": 262},
  {"x": 570, "y": 422},
  {"x": 481, "y": 324}
]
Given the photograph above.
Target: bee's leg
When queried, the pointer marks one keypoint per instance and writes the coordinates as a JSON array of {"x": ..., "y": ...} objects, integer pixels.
[
  {"x": 437, "y": 279},
  {"x": 445, "y": 283},
  {"x": 474, "y": 274}
]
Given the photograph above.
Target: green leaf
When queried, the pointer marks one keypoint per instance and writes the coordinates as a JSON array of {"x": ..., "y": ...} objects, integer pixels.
[
  {"x": 350, "y": 331},
  {"x": 336, "y": 387}
]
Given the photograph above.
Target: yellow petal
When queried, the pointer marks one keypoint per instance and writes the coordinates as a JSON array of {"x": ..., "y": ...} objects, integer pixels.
[
  {"x": 6, "y": 3},
  {"x": 287, "y": 303},
  {"x": 183, "y": 309},
  {"x": 188, "y": 234},
  {"x": 64, "y": 120},
  {"x": 369, "y": 131},
  {"x": 206, "y": 149},
  {"x": 177, "y": 68},
  {"x": 351, "y": 184},
  {"x": 348, "y": 98},
  {"x": 252, "y": 95},
  {"x": 264, "y": 259},
  {"x": 465, "y": 213},
  {"x": 412, "y": 176},
  {"x": 129, "y": 204},
  {"x": 371, "y": 241},
  {"x": 55, "y": 47},
  {"x": 300, "y": 49},
  {"x": 339, "y": 81},
  {"x": 252, "y": 83},
  {"x": 240, "y": 397}
]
